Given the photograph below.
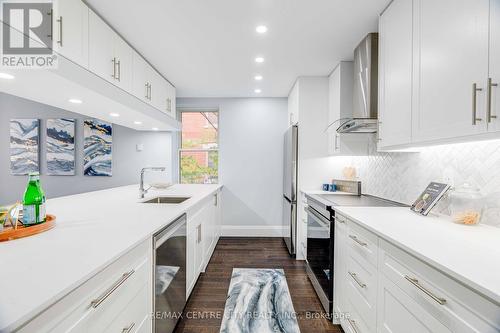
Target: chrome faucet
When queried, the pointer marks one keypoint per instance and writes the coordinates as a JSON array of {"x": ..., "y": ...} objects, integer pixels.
[{"x": 143, "y": 191}]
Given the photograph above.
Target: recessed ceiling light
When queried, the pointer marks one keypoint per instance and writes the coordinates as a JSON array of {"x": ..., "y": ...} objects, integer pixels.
[
  {"x": 75, "y": 101},
  {"x": 6, "y": 76},
  {"x": 258, "y": 77},
  {"x": 114, "y": 114},
  {"x": 138, "y": 122},
  {"x": 259, "y": 60},
  {"x": 257, "y": 91},
  {"x": 261, "y": 29},
  {"x": 155, "y": 128}
]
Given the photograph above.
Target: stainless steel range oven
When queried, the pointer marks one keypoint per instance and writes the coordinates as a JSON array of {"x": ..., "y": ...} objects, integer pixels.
[
  {"x": 320, "y": 234},
  {"x": 320, "y": 252}
]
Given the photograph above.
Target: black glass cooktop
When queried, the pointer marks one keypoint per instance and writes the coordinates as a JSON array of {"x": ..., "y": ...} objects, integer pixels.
[{"x": 355, "y": 200}]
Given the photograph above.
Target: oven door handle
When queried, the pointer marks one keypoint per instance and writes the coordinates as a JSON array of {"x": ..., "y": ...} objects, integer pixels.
[{"x": 318, "y": 217}]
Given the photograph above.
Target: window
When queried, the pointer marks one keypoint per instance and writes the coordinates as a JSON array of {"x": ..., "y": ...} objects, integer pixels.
[{"x": 199, "y": 153}]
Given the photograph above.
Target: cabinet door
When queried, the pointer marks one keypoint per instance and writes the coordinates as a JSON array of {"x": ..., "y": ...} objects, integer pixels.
[
  {"x": 191, "y": 242},
  {"x": 450, "y": 55},
  {"x": 333, "y": 111},
  {"x": 494, "y": 124},
  {"x": 71, "y": 31},
  {"x": 397, "y": 312},
  {"x": 124, "y": 57},
  {"x": 171, "y": 104},
  {"x": 101, "y": 48},
  {"x": 395, "y": 73},
  {"x": 159, "y": 91},
  {"x": 340, "y": 273},
  {"x": 139, "y": 77}
]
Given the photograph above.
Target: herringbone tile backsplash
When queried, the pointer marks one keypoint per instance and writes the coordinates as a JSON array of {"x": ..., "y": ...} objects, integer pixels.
[{"x": 403, "y": 176}]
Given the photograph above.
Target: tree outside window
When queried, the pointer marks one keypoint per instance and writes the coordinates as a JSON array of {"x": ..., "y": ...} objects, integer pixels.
[{"x": 199, "y": 154}]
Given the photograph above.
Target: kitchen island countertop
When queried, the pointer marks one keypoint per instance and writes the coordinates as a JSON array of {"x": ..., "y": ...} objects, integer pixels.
[{"x": 92, "y": 230}]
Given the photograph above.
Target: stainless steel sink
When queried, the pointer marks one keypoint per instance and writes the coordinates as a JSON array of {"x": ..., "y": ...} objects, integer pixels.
[{"x": 167, "y": 200}]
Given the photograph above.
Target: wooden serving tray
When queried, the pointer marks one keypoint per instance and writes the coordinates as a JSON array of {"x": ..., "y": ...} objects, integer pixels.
[{"x": 10, "y": 233}]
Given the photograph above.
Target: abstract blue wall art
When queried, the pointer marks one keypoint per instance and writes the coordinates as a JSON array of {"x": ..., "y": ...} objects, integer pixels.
[
  {"x": 61, "y": 147},
  {"x": 97, "y": 148},
  {"x": 24, "y": 143}
]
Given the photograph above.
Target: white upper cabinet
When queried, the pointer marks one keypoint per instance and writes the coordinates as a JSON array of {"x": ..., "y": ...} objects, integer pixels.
[
  {"x": 102, "y": 60},
  {"x": 70, "y": 30},
  {"x": 110, "y": 56},
  {"x": 159, "y": 90},
  {"x": 123, "y": 62},
  {"x": 140, "y": 77},
  {"x": 494, "y": 84},
  {"x": 395, "y": 74},
  {"x": 451, "y": 56}
]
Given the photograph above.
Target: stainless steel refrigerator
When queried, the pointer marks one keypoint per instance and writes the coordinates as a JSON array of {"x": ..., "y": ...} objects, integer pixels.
[{"x": 290, "y": 188}]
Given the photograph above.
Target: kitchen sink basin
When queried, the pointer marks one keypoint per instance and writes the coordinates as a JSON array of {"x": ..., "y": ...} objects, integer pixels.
[{"x": 167, "y": 200}]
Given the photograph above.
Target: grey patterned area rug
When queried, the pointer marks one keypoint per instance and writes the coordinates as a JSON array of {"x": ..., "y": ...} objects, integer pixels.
[{"x": 258, "y": 301}]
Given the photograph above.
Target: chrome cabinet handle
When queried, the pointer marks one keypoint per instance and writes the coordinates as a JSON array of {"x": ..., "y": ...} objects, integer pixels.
[
  {"x": 119, "y": 73},
  {"x": 353, "y": 325},
  {"x": 475, "y": 89},
  {"x": 488, "y": 99},
  {"x": 426, "y": 291},
  {"x": 96, "y": 302},
  {"x": 60, "y": 21},
  {"x": 146, "y": 85},
  {"x": 216, "y": 200},
  {"x": 51, "y": 34},
  {"x": 113, "y": 75},
  {"x": 355, "y": 278},
  {"x": 199, "y": 234},
  {"x": 354, "y": 238},
  {"x": 150, "y": 86},
  {"x": 129, "y": 328}
]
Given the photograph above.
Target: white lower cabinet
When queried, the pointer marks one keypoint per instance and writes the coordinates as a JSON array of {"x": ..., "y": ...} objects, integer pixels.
[
  {"x": 115, "y": 299},
  {"x": 381, "y": 288},
  {"x": 203, "y": 232}
]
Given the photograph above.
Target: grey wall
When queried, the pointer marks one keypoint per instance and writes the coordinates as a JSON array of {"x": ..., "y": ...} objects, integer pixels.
[
  {"x": 251, "y": 157},
  {"x": 127, "y": 162}
]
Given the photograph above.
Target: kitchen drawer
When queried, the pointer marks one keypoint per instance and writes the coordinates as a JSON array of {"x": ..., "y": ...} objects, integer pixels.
[
  {"x": 363, "y": 242},
  {"x": 341, "y": 221},
  {"x": 454, "y": 305},
  {"x": 135, "y": 312},
  {"x": 398, "y": 312},
  {"x": 354, "y": 323},
  {"x": 74, "y": 312},
  {"x": 361, "y": 289}
]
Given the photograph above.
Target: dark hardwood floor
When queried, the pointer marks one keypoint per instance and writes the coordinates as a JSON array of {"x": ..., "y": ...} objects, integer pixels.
[{"x": 208, "y": 298}]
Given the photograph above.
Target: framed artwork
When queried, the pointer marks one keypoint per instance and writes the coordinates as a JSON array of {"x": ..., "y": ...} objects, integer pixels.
[
  {"x": 60, "y": 152},
  {"x": 24, "y": 146},
  {"x": 97, "y": 148}
]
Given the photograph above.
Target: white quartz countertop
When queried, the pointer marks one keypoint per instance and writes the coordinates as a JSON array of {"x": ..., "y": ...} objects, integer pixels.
[
  {"x": 92, "y": 230},
  {"x": 469, "y": 254}
]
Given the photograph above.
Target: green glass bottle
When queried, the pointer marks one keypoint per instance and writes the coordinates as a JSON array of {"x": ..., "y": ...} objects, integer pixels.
[{"x": 33, "y": 201}]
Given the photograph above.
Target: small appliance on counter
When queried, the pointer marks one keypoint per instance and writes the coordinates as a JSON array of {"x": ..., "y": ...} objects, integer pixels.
[{"x": 320, "y": 233}]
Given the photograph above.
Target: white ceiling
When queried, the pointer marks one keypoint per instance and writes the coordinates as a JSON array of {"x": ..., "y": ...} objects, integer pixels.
[{"x": 206, "y": 48}]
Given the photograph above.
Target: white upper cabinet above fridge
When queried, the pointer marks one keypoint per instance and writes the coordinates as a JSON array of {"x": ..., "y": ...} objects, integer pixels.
[
  {"x": 395, "y": 74},
  {"x": 451, "y": 57},
  {"x": 70, "y": 30},
  {"x": 493, "y": 84}
]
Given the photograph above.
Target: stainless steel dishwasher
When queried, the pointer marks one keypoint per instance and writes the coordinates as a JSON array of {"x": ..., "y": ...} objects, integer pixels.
[{"x": 169, "y": 275}]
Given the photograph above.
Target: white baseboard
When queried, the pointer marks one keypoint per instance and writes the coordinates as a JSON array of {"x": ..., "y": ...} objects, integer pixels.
[{"x": 252, "y": 231}]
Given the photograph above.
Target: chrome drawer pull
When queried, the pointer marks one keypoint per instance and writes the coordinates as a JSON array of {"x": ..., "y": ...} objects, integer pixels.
[
  {"x": 129, "y": 328},
  {"x": 353, "y": 325},
  {"x": 95, "y": 303},
  {"x": 354, "y": 238},
  {"x": 355, "y": 278},
  {"x": 414, "y": 282}
]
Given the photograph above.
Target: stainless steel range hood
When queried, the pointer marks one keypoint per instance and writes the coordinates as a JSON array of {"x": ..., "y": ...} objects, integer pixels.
[{"x": 365, "y": 90}]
